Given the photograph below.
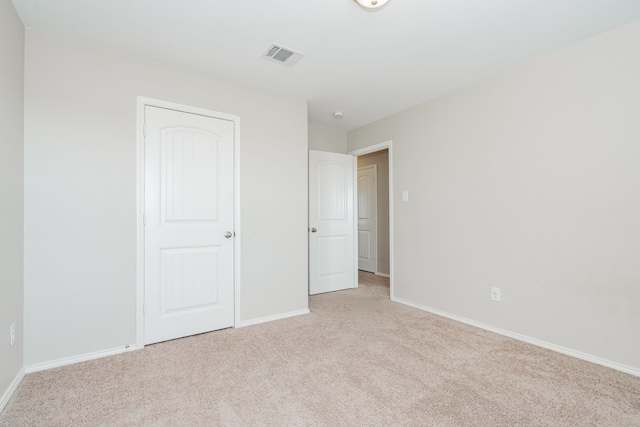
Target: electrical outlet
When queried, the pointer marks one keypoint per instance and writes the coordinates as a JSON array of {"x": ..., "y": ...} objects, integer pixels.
[
  {"x": 12, "y": 333},
  {"x": 495, "y": 294}
]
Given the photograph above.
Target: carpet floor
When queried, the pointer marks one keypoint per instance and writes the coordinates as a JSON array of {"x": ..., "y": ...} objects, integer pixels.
[{"x": 357, "y": 360}]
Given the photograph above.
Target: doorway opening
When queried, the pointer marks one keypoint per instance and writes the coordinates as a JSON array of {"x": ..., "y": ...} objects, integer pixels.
[{"x": 375, "y": 212}]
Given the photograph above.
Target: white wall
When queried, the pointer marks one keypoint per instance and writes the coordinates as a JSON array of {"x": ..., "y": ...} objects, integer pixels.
[
  {"x": 80, "y": 192},
  {"x": 11, "y": 191},
  {"x": 381, "y": 160},
  {"x": 326, "y": 139},
  {"x": 530, "y": 182}
]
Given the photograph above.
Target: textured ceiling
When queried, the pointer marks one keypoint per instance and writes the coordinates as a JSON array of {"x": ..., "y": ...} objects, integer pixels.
[{"x": 367, "y": 64}]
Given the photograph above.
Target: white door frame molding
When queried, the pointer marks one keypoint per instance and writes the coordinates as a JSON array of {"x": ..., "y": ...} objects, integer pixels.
[
  {"x": 372, "y": 149},
  {"x": 142, "y": 102}
]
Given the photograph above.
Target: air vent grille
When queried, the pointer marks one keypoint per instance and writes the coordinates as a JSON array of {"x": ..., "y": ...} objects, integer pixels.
[{"x": 282, "y": 55}]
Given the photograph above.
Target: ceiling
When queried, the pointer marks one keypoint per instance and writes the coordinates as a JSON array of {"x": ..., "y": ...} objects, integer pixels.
[{"x": 367, "y": 64}]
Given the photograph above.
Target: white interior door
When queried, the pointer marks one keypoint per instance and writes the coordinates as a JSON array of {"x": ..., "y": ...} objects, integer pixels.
[
  {"x": 367, "y": 214},
  {"x": 332, "y": 265},
  {"x": 189, "y": 233}
]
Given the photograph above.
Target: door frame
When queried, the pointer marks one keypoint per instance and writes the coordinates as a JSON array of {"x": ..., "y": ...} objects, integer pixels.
[
  {"x": 372, "y": 149},
  {"x": 375, "y": 247},
  {"x": 143, "y": 102}
]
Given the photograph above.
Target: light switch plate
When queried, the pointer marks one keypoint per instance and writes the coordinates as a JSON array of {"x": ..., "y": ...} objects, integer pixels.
[{"x": 12, "y": 334}]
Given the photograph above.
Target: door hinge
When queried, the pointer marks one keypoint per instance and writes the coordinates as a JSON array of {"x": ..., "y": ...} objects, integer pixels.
[
  {"x": 144, "y": 219},
  {"x": 144, "y": 131},
  {"x": 144, "y": 308}
]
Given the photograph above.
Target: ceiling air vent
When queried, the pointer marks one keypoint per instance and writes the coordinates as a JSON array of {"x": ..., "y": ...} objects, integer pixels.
[{"x": 282, "y": 55}]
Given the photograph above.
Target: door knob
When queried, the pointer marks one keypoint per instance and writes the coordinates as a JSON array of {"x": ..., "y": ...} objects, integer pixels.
[
  {"x": 313, "y": 230},
  {"x": 228, "y": 234}
]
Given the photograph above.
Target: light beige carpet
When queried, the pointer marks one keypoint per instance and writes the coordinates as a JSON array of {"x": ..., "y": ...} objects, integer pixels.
[{"x": 356, "y": 360}]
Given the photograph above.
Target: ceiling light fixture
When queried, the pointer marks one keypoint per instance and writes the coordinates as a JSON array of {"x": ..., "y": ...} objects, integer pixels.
[
  {"x": 338, "y": 115},
  {"x": 372, "y": 4}
]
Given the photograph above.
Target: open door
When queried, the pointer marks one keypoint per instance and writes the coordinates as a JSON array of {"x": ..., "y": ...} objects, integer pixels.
[
  {"x": 332, "y": 223},
  {"x": 367, "y": 218}
]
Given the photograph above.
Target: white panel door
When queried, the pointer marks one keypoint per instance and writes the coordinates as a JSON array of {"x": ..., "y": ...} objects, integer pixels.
[
  {"x": 332, "y": 265},
  {"x": 367, "y": 214},
  {"x": 189, "y": 239}
]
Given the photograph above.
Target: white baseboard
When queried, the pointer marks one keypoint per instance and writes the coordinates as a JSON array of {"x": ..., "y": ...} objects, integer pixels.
[
  {"x": 12, "y": 388},
  {"x": 274, "y": 317},
  {"x": 381, "y": 274},
  {"x": 79, "y": 358},
  {"x": 524, "y": 338}
]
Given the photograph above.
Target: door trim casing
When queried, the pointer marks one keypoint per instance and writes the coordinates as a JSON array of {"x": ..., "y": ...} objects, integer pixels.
[
  {"x": 142, "y": 102},
  {"x": 372, "y": 149}
]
